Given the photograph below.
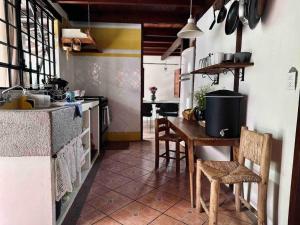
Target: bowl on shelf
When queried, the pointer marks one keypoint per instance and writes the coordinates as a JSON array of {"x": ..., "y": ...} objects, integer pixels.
[
  {"x": 228, "y": 57},
  {"x": 242, "y": 57}
]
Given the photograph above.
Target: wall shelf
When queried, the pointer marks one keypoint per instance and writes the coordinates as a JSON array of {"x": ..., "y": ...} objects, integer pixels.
[
  {"x": 217, "y": 69},
  {"x": 221, "y": 68}
]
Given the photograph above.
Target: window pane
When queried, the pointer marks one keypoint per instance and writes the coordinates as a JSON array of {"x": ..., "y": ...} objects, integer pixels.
[
  {"x": 3, "y": 36},
  {"x": 2, "y": 12},
  {"x": 14, "y": 56},
  {"x": 3, "y": 54},
  {"x": 33, "y": 62},
  {"x": 13, "y": 36},
  {"x": 4, "y": 81},
  {"x": 15, "y": 77}
]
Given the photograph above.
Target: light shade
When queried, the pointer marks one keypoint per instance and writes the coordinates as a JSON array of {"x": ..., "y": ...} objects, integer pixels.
[{"x": 190, "y": 30}]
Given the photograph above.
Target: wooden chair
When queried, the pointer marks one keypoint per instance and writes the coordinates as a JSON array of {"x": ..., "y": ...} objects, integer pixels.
[
  {"x": 255, "y": 147},
  {"x": 162, "y": 133}
]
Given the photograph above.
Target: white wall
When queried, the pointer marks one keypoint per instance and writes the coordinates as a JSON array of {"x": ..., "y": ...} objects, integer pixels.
[
  {"x": 113, "y": 74},
  {"x": 156, "y": 75},
  {"x": 271, "y": 107}
]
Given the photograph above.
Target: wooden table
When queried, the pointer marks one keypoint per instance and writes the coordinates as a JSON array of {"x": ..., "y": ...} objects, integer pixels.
[{"x": 194, "y": 135}]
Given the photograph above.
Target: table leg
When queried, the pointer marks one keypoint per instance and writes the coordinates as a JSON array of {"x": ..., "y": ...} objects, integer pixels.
[{"x": 191, "y": 170}]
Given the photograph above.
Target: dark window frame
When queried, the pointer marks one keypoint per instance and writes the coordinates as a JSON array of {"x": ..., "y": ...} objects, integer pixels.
[{"x": 37, "y": 19}]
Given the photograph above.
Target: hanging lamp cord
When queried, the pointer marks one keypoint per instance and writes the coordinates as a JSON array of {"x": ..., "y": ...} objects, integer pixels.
[{"x": 191, "y": 6}]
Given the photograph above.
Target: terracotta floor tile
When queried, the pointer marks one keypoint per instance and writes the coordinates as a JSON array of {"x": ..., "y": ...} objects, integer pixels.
[
  {"x": 109, "y": 202},
  {"x": 180, "y": 189},
  {"x": 107, "y": 221},
  {"x": 112, "y": 181},
  {"x": 114, "y": 166},
  {"x": 228, "y": 220},
  {"x": 90, "y": 196},
  {"x": 153, "y": 179},
  {"x": 182, "y": 211},
  {"x": 145, "y": 164},
  {"x": 86, "y": 209},
  {"x": 133, "y": 172},
  {"x": 134, "y": 189},
  {"x": 98, "y": 189},
  {"x": 166, "y": 220},
  {"x": 159, "y": 200},
  {"x": 90, "y": 218},
  {"x": 135, "y": 214},
  {"x": 228, "y": 209}
]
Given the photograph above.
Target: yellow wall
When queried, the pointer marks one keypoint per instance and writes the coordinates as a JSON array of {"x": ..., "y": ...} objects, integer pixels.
[{"x": 116, "y": 42}]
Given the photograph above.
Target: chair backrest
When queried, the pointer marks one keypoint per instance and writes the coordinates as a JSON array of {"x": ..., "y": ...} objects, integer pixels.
[
  {"x": 256, "y": 147},
  {"x": 161, "y": 125},
  {"x": 169, "y": 107},
  {"x": 146, "y": 108}
]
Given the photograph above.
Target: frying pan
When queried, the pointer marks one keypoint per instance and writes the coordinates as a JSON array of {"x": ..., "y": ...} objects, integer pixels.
[
  {"x": 222, "y": 15},
  {"x": 232, "y": 19},
  {"x": 254, "y": 16}
]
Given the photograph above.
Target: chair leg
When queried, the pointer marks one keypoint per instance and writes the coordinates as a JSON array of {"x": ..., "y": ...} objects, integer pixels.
[
  {"x": 156, "y": 152},
  {"x": 177, "y": 158},
  {"x": 167, "y": 152},
  {"x": 198, "y": 188},
  {"x": 186, "y": 156},
  {"x": 262, "y": 203},
  {"x": 237, "y": 197},
  {"x": 214, "y": 202}
]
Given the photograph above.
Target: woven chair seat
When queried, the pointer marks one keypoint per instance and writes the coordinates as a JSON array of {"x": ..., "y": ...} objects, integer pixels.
[
  {"x": 170, "y": 137},
  {"x": 228, "y": 172}
]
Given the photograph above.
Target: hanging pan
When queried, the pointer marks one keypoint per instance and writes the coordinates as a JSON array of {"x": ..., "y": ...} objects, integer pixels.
[
  {"x": 254, "y": 16},
  {"x": 222, "y": 13},
  {"x": 232, "y": 19}
]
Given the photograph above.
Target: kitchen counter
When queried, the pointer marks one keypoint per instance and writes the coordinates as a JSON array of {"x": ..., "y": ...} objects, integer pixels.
[{"x": 38, "y": 132}]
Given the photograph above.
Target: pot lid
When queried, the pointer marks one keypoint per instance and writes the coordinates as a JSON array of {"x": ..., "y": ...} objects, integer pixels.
[{"x": 224, "y": 94}]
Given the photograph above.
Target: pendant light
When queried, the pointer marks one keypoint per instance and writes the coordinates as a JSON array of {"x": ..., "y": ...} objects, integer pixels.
[{"x": 190, "y": 30}]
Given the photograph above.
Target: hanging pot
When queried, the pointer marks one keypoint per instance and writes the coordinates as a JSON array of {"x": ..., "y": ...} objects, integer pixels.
[
  {"x": 232, "y": 19},
  {"x": 243, "y": 12},
  {"x": 254, "y": 16},
  {"x": 222, "y": 13}
]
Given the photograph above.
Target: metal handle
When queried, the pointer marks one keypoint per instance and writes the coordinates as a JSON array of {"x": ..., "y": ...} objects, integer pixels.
[{"x": 222, "y": 132}]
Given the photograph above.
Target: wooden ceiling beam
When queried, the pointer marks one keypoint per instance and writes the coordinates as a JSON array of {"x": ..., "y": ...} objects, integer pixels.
[
  {"x": 176, "y": 44},
  {"x": 159, "y": 39},
  {"x": 160, "y": 32},
  {"x": 164, "y": 25}
]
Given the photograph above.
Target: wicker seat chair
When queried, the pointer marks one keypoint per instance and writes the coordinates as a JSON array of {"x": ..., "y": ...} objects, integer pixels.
[
  {"x": 255, "y": 147},
  {"x": 162, "y": 133}
]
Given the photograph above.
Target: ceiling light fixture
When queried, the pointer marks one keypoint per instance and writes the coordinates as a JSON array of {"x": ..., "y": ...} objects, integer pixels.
[{"x": 190, "y": 30}]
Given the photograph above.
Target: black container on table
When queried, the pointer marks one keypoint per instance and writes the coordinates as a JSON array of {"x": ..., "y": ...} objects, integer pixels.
[{"x": 223, "y": 114}]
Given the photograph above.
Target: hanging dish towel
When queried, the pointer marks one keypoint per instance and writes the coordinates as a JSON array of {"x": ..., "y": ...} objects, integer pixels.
[
  {"x": 80, "y": 160},
  {"x": 63, "y": 177}
]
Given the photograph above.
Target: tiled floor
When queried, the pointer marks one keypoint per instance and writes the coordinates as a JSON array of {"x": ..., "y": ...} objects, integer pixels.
[{"x": 125, "y": 189}]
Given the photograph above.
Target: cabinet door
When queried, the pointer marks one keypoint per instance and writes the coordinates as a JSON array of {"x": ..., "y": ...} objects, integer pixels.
[{"x": 177, "y": 83}]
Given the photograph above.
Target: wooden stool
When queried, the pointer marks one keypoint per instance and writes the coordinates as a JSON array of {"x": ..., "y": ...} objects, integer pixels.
[
  {"x": 254, "y": 147},
  {"x": 162, "y": 133}
]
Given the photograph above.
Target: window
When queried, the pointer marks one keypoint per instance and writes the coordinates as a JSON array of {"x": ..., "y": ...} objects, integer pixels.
[{"x": 27, "y": 51}]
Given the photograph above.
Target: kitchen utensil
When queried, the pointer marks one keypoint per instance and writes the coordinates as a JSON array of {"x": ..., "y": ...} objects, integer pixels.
[
  {"x": 217, "y": 58},
  {"x": 232, "y": 19},
  {"x": 222, "y": 13},
  {"x": 228, "y": 57},
  {"x": 242, "y": 57},
  {"x": 254, "y": 17},
  {"x": 243, "y": 12},
  {"x": 76, "y": 45},
  {"x": 214, "y": 21}
]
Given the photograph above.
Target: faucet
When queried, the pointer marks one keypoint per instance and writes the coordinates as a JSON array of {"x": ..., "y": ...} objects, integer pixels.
[{"x": 3, "y": 100}]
